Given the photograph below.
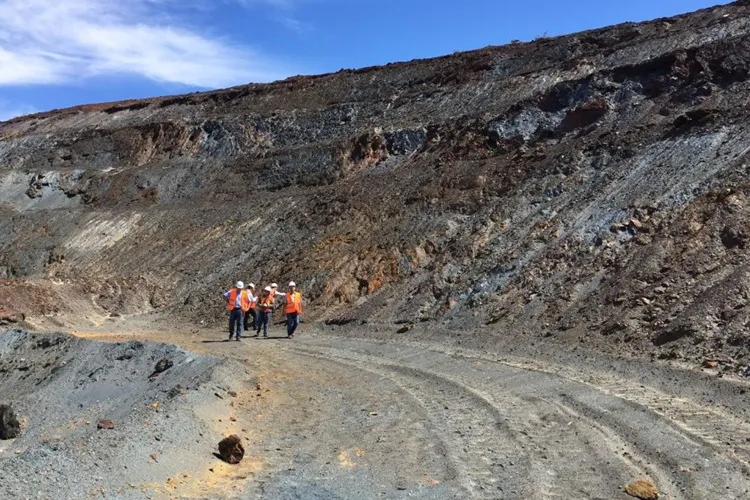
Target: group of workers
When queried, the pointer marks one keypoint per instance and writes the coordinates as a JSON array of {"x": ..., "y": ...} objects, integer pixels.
[{"x": 242, "y": 304}]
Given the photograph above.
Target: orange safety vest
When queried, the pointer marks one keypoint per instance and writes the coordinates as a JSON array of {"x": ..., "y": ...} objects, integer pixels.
[
  {"x": 293, "y": 303},
  {"x": 244, "y": 300},
  {"x": 265, "y": 304}
]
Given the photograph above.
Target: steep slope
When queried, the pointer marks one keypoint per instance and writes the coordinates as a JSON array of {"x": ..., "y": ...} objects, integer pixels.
[{"x": 586, "y": 188}]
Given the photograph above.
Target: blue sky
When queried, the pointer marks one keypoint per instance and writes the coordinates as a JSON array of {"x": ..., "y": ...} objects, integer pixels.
[{"x": 59, "y": 53}]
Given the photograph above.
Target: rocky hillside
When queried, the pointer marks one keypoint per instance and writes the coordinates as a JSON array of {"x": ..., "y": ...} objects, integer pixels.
[{"x": 586, "y": 188}]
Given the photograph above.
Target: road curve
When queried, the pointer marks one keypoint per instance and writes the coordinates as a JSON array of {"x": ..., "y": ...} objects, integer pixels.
[
  {"x": 519, "y": 429},
  {"x": 347, "y": 416}
]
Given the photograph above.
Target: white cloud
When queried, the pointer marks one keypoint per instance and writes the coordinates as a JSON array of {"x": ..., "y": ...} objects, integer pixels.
[{"x": 52, "y": 41}]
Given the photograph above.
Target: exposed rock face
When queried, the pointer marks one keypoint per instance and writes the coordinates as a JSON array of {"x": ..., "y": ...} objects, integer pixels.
[{"x": 539, "y": 189}]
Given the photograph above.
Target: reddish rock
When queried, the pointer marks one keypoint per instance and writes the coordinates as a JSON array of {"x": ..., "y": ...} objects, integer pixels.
[{"x": 105, "y": 424}]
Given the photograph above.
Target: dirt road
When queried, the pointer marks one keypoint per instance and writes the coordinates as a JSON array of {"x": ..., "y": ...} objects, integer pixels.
[{"x": 346, "y": 417}]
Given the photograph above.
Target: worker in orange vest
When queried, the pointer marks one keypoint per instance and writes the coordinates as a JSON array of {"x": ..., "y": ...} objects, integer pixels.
[
  {"x": 250, "y": 313},
  {"x": 238, "y": 303},
  {"x": 292, "y": 308},
  {"x": 265, "y": 306}
]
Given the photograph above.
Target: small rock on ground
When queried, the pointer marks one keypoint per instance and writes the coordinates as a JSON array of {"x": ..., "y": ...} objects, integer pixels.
[
  {"x": 643, "y": 489},
  {"x": 162, "y": 365},
  {"x": 105, "y": 424},
  {"x": 231, "y": 449}
]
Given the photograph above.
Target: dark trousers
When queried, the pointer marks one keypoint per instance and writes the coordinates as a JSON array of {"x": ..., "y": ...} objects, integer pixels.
[
  {"x": 262, "y": 321},
  {"x": 236, "y": 320},
  {"x": 292, "y": 322},
  {"x": 248, "y": 315}
]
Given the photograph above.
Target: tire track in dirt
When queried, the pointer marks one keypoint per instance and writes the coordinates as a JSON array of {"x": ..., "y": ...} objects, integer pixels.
[
  {"x": 522, "y": 449},
  {"x": 585, "y": 437},
  {"x": 711, "y": 426},
  {"x": 461, "y": 416}
]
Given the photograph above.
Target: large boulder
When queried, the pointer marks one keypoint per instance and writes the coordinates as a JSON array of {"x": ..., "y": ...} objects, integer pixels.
[{"x": 10, "y": 427}]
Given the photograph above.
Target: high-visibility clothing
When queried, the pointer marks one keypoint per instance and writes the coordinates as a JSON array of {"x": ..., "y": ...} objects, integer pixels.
[
  {"x": 265, "y": 303},
  {"x": 244, "y": 300},
  {"x": 293, "y": 303}
]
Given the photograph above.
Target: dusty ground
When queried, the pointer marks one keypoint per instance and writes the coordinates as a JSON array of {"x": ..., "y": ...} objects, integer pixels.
[{"x": 356, "y": 413}]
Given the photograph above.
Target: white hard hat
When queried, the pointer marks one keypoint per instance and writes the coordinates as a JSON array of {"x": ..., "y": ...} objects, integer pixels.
[
  {"x": 292, "y": 283},
  {"x": 251, "y": 285},
  {"x": 274, "y": 285},
  {"x": 239, "y": 285},
  {"x": 268, "y": 289}
]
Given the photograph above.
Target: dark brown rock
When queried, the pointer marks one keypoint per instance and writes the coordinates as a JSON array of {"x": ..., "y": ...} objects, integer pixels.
[
  {"x": 231, "y": 449},
  {"x": 734, "y": 237},
  {"x": 10, "y": 427}
]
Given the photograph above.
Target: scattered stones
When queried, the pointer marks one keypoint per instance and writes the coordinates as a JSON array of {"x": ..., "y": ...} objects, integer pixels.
[
  {"x": 231, "y": 449},
  {"x": 10, "y": 427},
  {"x": 642, "y": 489},
  {"x": 105, "y": 424}
]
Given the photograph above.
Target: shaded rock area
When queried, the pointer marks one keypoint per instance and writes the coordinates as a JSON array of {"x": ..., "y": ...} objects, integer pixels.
[{"x": 588, "y": 189}]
